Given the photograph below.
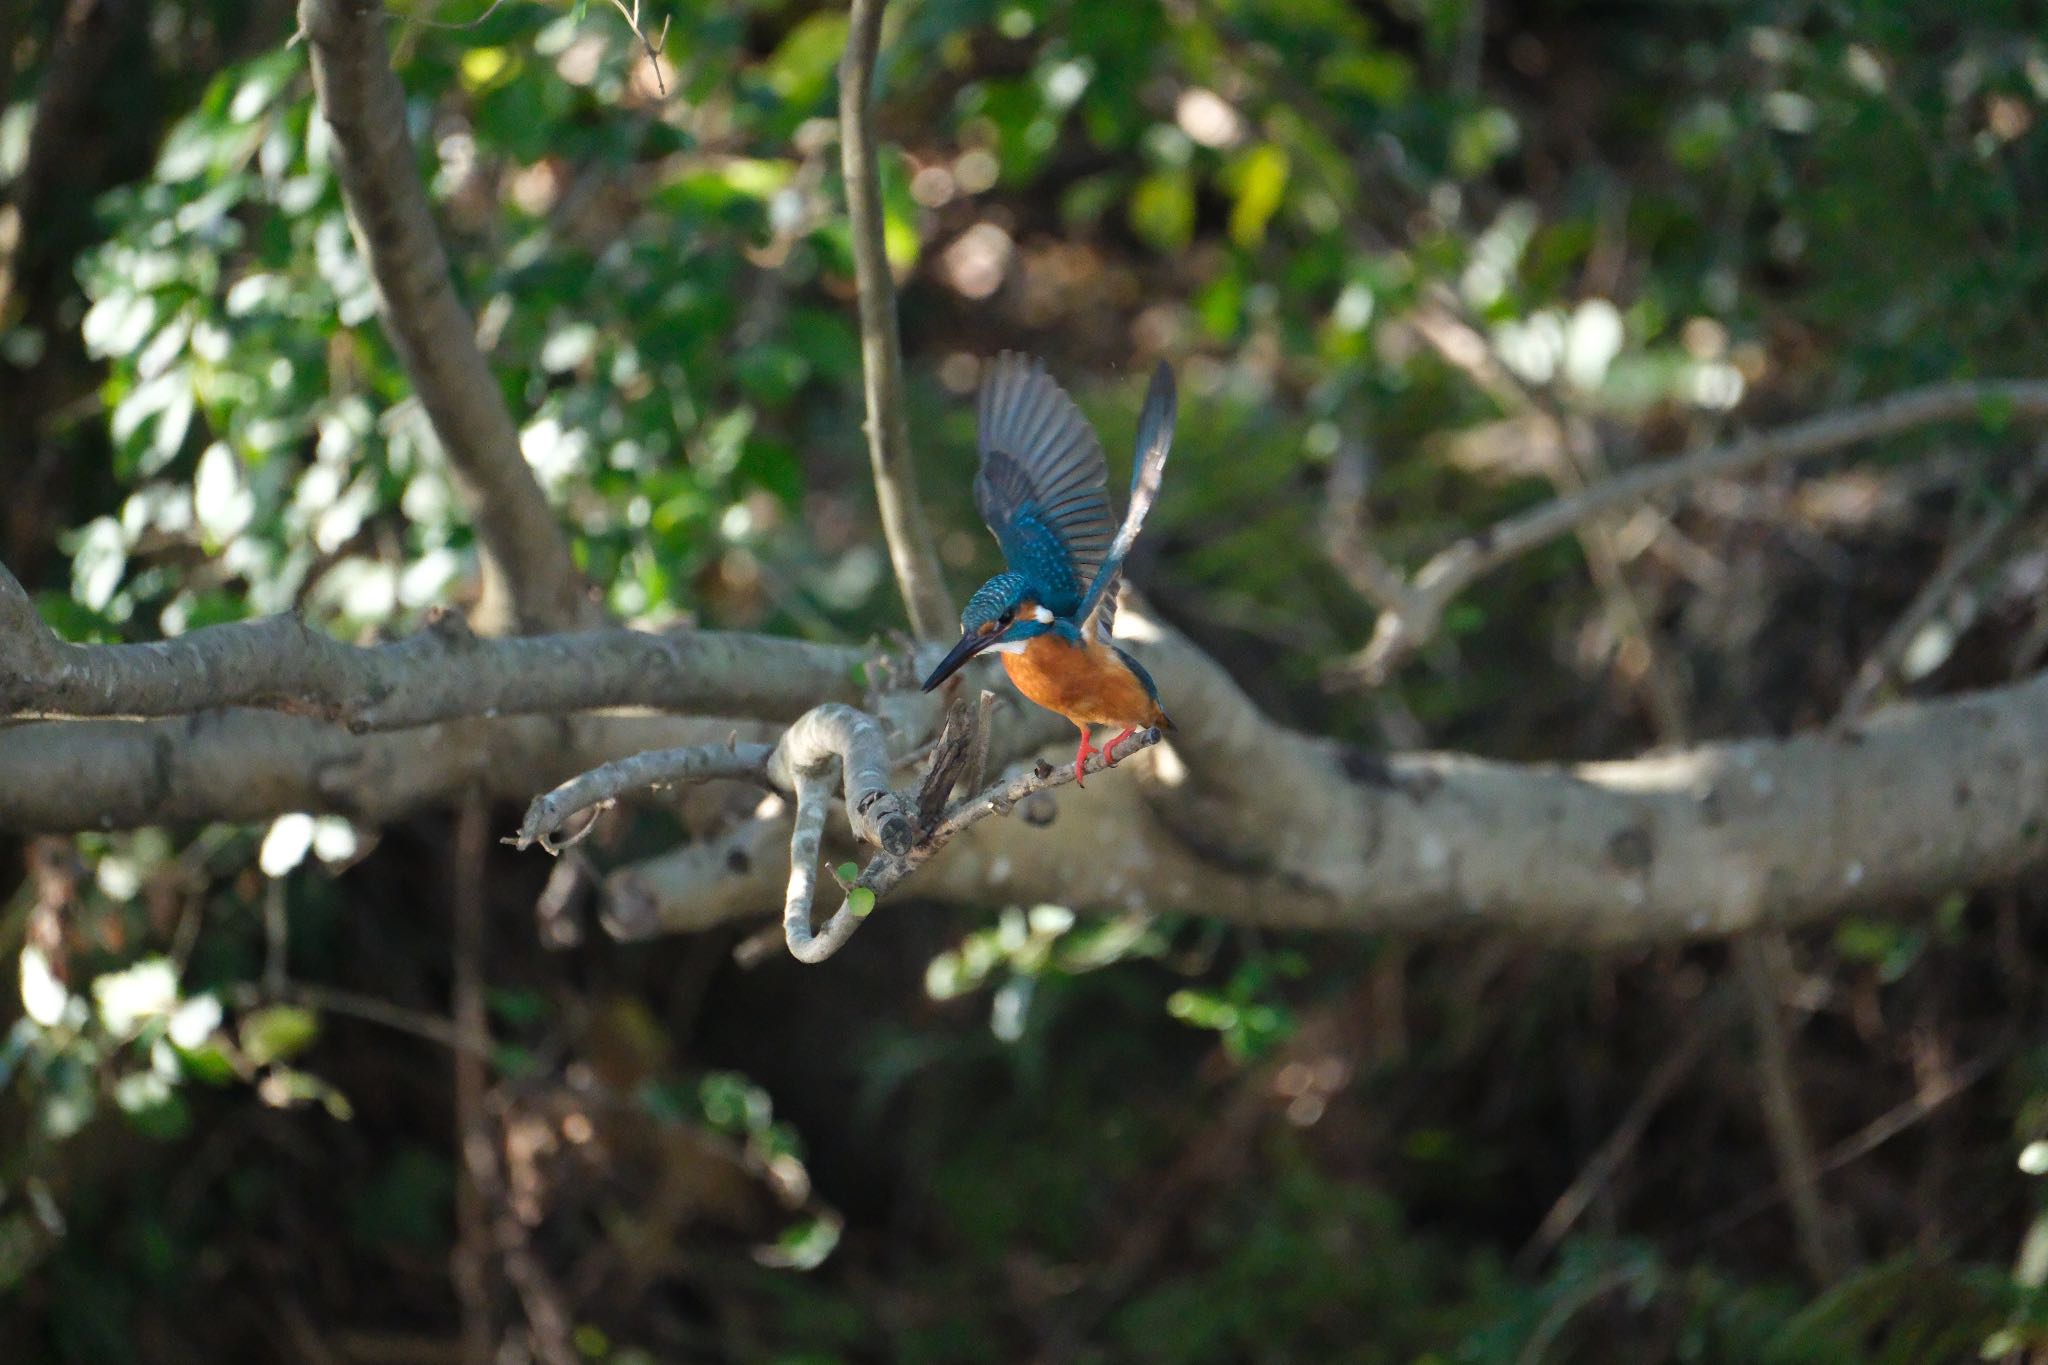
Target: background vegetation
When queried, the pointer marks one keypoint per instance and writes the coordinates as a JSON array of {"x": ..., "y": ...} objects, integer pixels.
[{"x": 1395, "y": 236}]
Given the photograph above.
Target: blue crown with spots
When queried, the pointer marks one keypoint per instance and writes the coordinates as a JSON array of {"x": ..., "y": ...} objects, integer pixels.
[{"x": 1000, "y": 594}]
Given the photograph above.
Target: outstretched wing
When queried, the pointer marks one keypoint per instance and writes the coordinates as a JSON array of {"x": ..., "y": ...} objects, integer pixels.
[
  {"x": 1043, "y": 486},
  {"x": 1155, "y": 438}
]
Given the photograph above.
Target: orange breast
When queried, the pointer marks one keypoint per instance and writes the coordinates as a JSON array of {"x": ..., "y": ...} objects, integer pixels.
[{"x": 1085, "y": 683}]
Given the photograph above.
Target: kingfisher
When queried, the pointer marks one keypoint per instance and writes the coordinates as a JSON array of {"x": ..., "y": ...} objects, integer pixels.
[{"x": 1043, "y": 489}]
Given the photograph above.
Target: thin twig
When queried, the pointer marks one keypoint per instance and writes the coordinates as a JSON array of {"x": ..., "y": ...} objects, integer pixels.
[
  {"x": 472, "y": 1251},
  {"x": 1761, "y": 965},
  {"x": 653, "y": 47},
  {"x": 1347, "y": 536},
  {"x": 276, "y": 935},
  {"x": 1961, "y": 560},
  {"x": 548, "y": 814},
  {"x": 888, "y": 428},
  {"x": 1600, "y": 1169},
  {"x": 950, "y": 754},
  {"x": 1450, "y": 571},
  {"x": 1568, "y": 1306},
  {"x": 371, "y": 1010},
  {"x": 464, "y": 26},
  {"x": 1894, "y": 1121}
]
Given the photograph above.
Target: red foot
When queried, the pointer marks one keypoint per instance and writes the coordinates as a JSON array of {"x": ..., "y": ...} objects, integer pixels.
[
  {"x": 1123, "y": 735},
  {"x": 1081, "y": 756}
]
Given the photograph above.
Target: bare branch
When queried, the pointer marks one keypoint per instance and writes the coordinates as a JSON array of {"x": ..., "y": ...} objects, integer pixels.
[
  {"x": 1599, "y": 1171},
  {"x": 525, "y": 552},
  {"x": 1900, "y": 1118},
  {"x": 642, "y": 772},
  {"x": 731, "y": 876},
  {"x": 662, "y": 894},
  {"x": 1449, "y": 572},
  {"x": 651, "y": 46},
  {"x": 984, "y": 723},
  {"x": 1240, "y": 817},
  {"x": 838, "y": 734},
  {"x": 1348, "y": 539},
  {"x": 440, "y": 674},
  {"x": 253, "y": 765},
  {"x": 887, "y": 870},
  {"x": 801, "y": 764},
  {"x": 813, "y": 798},
  {"x": 888, "y": 428},
  {"x": 1962, "y": 560},
  {"x": 1247, "y": 820},
  {"x": 1762, "y": 966},
  {"x": 1009, "y": 795}
]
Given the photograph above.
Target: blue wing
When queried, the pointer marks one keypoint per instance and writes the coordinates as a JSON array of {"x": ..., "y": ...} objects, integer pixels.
[
  {"x": 1043, "y": 486},
  {"x": 1155, "y": 438}
]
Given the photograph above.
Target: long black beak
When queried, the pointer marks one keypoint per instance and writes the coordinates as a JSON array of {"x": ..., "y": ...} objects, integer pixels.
[{"x": 969, "y": 646}]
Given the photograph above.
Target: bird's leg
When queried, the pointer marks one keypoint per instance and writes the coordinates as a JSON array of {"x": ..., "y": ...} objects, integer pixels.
[
  {"x": 1108, "y": 759},
  {"x": 1081, "y": 754}
]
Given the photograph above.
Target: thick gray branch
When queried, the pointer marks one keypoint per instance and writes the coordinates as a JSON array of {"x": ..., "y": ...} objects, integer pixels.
[
  {"x": 253, "y": 765},
  {"x": 1238, "y": 818},
  {"x": 1413, "y": 612},
  {"x": 442, "y": 673},
  {"x": 361, "y": 100},
  {"x": 1252, "y": 822},
  {"x": 903, "y": 521}
]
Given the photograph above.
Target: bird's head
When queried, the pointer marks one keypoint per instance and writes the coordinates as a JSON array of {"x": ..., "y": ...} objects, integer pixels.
[{"x": 1002, "y": 615}]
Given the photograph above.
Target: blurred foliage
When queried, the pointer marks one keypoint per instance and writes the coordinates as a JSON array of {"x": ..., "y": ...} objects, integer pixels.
[{"x": 226, "y": 1119}]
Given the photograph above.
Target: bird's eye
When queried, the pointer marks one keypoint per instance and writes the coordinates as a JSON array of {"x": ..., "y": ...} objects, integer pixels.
[{"x": 1009, "y": 616}]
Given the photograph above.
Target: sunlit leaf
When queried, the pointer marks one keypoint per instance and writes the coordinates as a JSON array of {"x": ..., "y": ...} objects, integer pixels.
[
  {"x": 1162, "y": 210},
  {"x": 277, "y": 1033},
  {"x": 1259, "y": 180}
]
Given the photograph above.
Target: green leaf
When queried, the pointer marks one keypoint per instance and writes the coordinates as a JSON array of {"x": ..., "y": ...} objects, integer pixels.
[
  {"x": 802, "y": 69},
  {"x": 278, "y": 1034},
  {"x": 861, "y": 900},
  {"x": 1383, "y": 77},
  {"x": 518, "y": 1007},
  {"x": 1163, "y": 210},
  {"x": 1259, "y": 179},
  {"x": 1995, "y": 411},
  {"x": 1482, "y": 138},
  {"x": 805, "y": 1245},
  {"x": 733, "y": 1104},
  {"x": 210, "y": 1062}
]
